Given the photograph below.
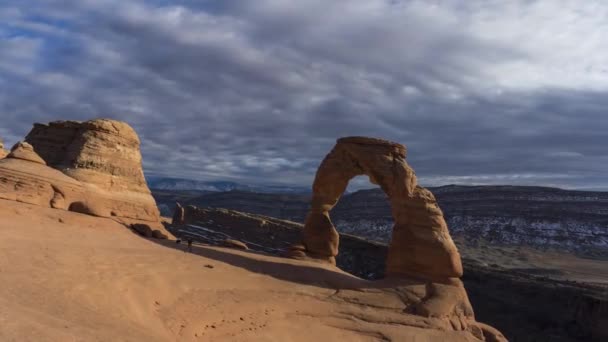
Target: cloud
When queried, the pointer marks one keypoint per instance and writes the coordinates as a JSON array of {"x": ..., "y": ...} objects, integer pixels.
[{"x": 481, "y": 92}]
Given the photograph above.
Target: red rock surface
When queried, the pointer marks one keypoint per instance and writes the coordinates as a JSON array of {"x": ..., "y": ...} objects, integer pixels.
[
  {"x": 92, "y": 167},
  {"x": 25, "y": 151},
  {"x": 421, "y": 247},
  {"x": 421, "y": 244}
]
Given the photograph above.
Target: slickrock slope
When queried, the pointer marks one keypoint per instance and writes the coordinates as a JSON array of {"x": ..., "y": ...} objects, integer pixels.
[
  {"x": 91, "y": 167},
  {"x": 33, "y": 182},
  {"x": 523, "y": 307},
  {"x": 67, "y": 276},
  {"x": 419, "y": 298},
  {"x": 422, "y": 258}
]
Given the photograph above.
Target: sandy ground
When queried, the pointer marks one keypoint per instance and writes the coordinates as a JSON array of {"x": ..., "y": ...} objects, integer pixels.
[{"x": 71, "y": 277}]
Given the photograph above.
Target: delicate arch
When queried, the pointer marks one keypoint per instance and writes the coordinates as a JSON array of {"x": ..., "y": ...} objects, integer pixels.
[{"x": 421, "y": 244}]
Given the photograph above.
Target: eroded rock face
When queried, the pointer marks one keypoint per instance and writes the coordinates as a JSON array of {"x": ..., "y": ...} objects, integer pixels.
[
  {"x": 413, "y": 301},
  {"x": 421, "y": 244},
  {"x": 35, "y": 183},
  {"x": 101, "y": 152},
  {"x": 421, "y": 255},
  {"x": 25, "y": 151},
  {"x": 94, "y": 167}
]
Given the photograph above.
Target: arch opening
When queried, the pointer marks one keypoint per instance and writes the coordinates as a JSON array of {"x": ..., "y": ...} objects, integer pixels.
[{"x": 362, "y": 211}]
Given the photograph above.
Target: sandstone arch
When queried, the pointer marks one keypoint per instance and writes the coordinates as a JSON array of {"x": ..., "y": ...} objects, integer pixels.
[{"x": 421, "y": 245}]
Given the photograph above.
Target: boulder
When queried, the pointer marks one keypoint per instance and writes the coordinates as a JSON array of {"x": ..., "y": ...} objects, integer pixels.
[
  {"x": 235, "y": 244},
  {"x": 142, "y": 229},
  {"x": 147, "y": 231},
  {"x": 92, "y": 167}
]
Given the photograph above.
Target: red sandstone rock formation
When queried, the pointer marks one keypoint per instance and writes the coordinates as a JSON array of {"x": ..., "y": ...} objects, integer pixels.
[
  {"x": 102, "y": 152},
  {"x": 422, "y": 256},
  {"x": 94, "y": 167},
  {"x": 421, "y": 244},
  {"x": 25, "y": 151}
]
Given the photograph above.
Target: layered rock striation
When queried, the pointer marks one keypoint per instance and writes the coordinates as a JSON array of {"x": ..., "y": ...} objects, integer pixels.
[
  {"x": 422, "y": 257},
  {"x": 421, "y": 244},
  {"x": 434, "y": 305},
  {"x": 422, "y": 263},
  {"x": 524, "y": 307},
  {"x": 92, "y": 167}
]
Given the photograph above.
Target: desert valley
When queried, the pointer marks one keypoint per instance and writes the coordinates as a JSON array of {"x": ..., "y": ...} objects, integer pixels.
[{"x": 85, "y": 253}]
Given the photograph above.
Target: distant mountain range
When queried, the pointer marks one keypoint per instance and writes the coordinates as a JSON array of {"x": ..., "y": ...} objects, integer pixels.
[
  {"x": 178, "y": 184},
  {"x": 509, "y": 215}
]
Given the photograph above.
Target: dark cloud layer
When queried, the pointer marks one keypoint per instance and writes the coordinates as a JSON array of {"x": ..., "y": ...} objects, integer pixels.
[{"x": 258, "y": 91}]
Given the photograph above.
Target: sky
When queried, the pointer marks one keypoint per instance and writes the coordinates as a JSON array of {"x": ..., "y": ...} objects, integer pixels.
[{"x": 481, "y": 92}]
